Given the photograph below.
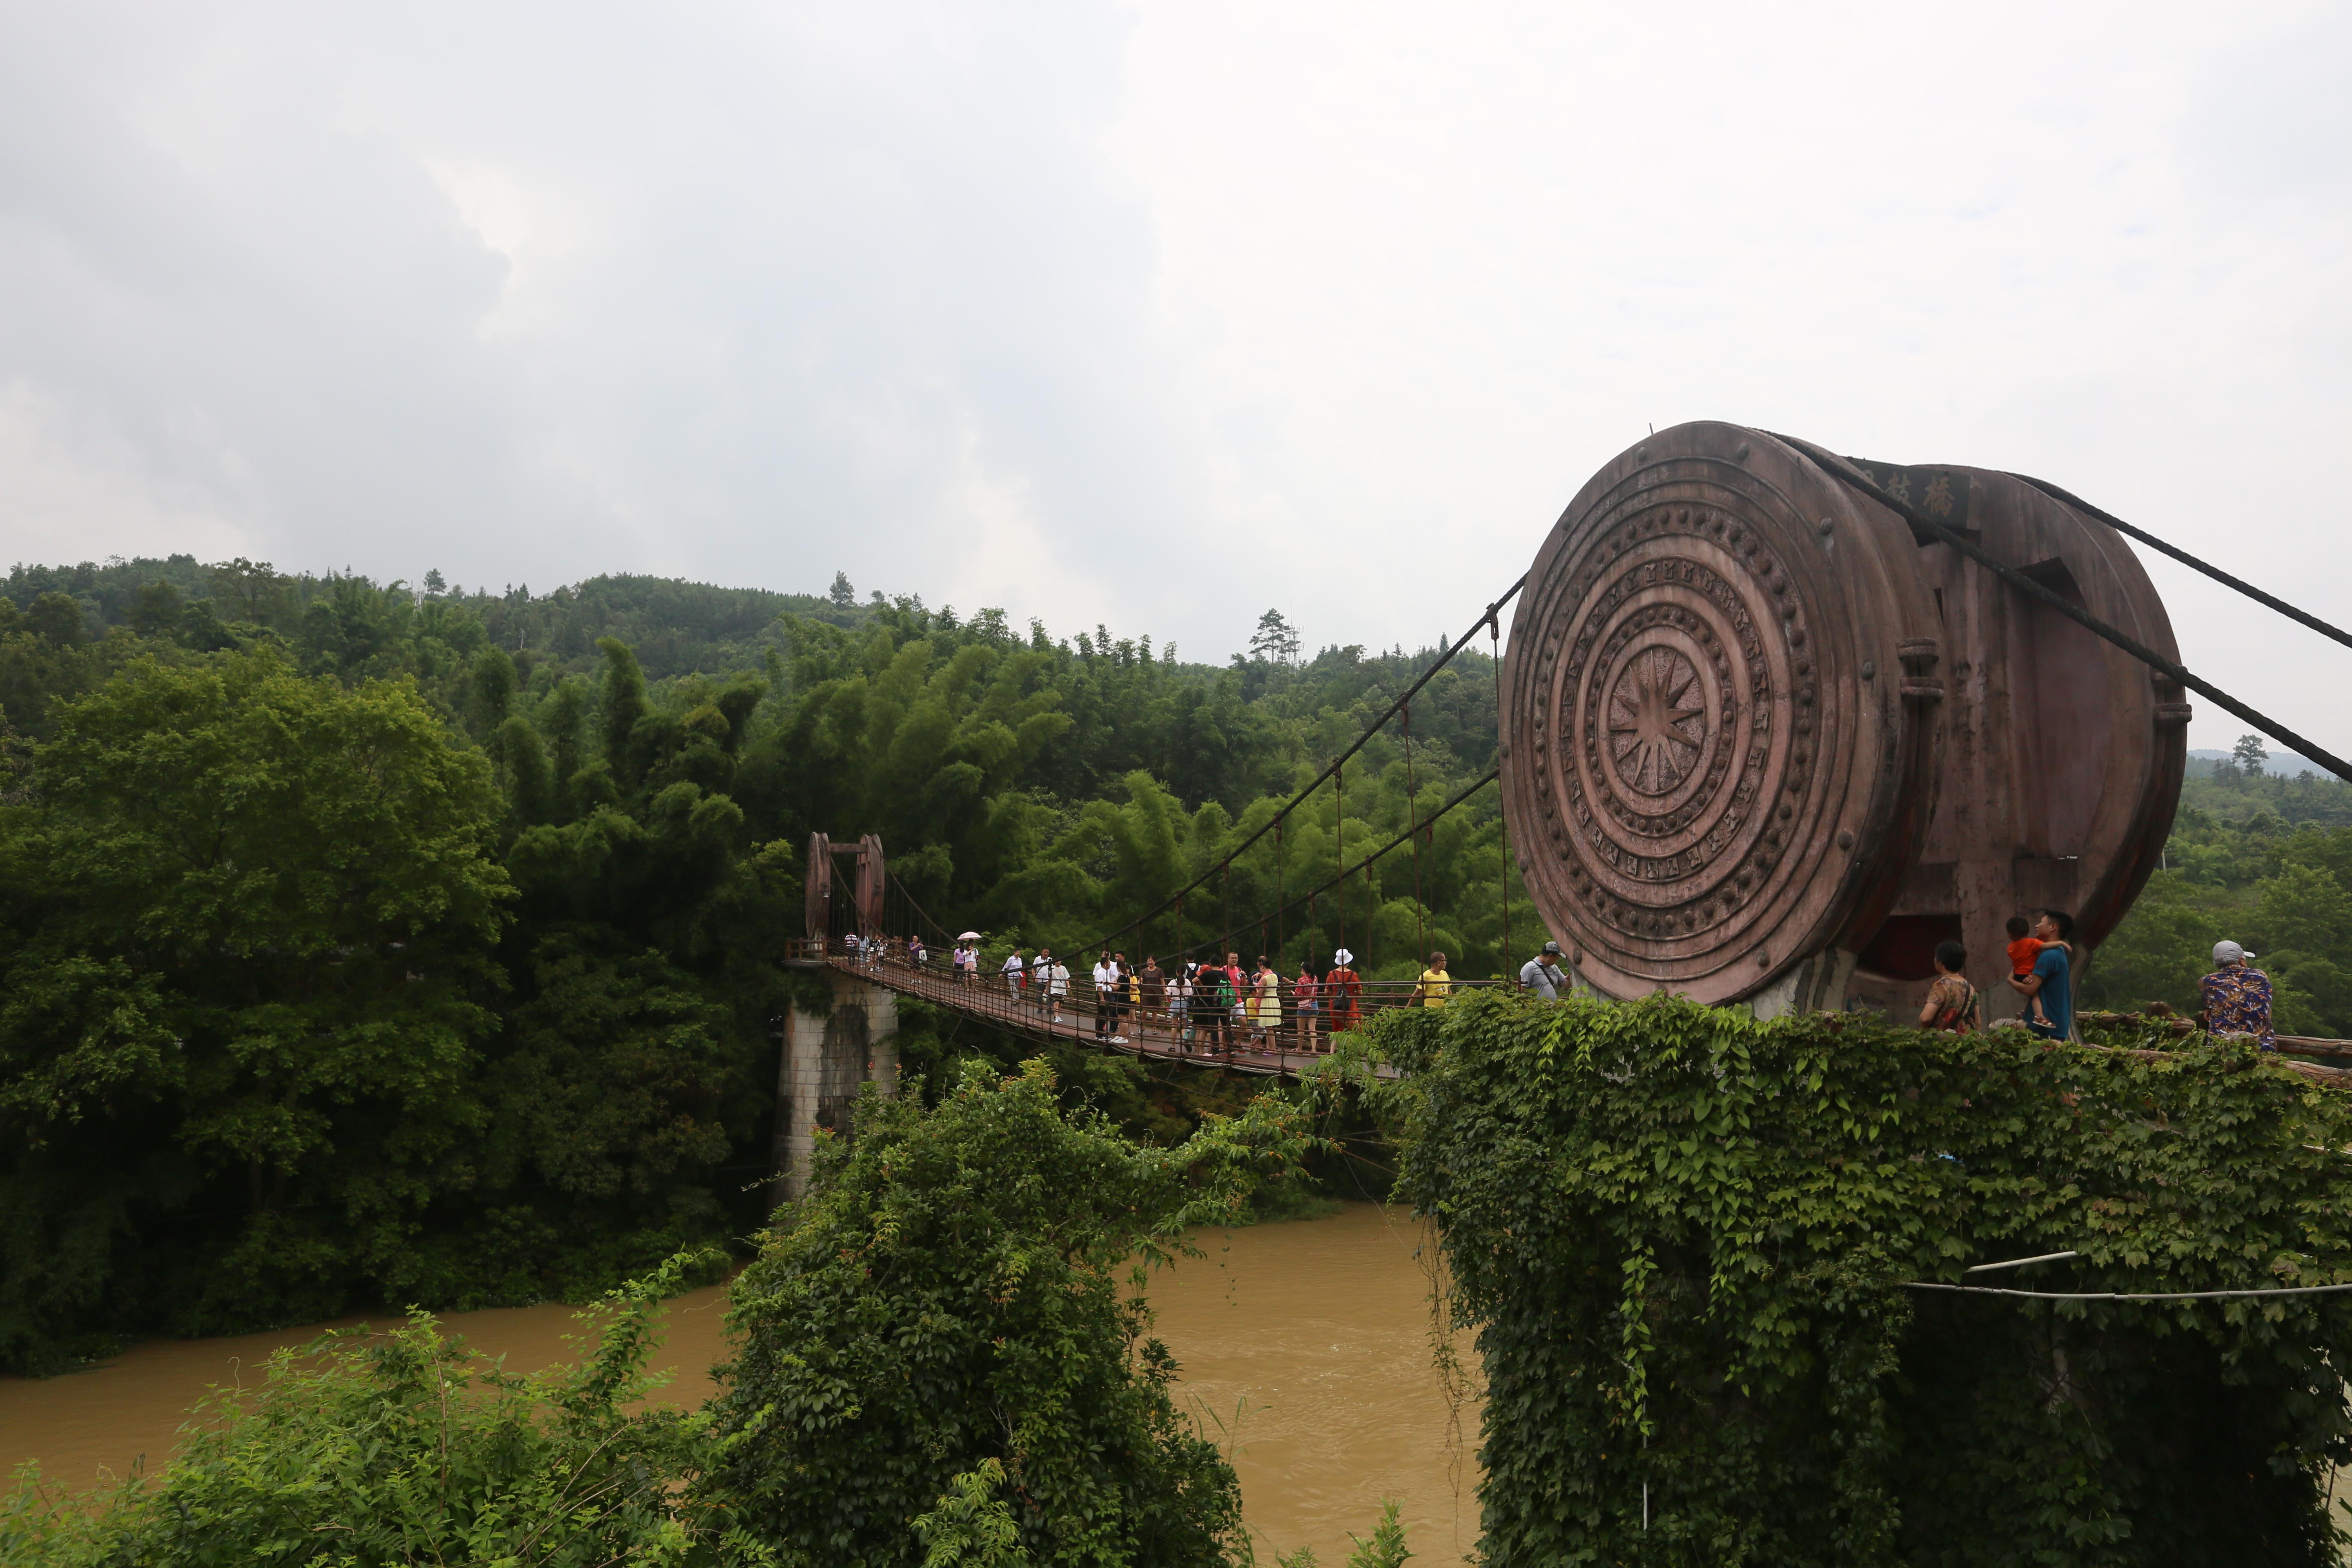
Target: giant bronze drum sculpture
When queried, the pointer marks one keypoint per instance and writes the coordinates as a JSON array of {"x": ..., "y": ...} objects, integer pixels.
[{"x": 1760, "y": 742}]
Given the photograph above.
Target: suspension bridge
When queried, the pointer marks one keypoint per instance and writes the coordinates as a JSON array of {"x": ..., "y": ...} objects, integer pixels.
[{"x": 1773, "y": 724}]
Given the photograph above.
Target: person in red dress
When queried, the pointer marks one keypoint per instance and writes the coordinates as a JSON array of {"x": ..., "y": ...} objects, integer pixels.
[{"x": 1343, "y": 989}]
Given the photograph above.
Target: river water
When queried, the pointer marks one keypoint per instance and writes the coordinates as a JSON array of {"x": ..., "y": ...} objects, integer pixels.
[{"x": 1306, "y": 1349}]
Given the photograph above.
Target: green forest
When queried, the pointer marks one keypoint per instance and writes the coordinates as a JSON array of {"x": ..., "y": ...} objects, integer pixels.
[
  {"x": 2264, "y": 861},
  {"x": 365, "y": 943}
]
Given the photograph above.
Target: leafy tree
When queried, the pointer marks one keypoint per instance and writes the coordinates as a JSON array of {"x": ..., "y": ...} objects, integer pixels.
[
  {"x": 58, "y": 619},
  {"x": 157, "y": 609},
  {"x": 1274, "y": 642},
  {"x": 255, "y": 591},
  {"x": 842, "y": 594},
  {"x": 948, "y": 1296},
  {"x": 248, "y": 948},
  {"x": 2249, "y": 754}
]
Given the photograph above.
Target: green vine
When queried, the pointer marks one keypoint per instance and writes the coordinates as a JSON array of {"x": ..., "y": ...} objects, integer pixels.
[{"x": 1683, "y": 1237}]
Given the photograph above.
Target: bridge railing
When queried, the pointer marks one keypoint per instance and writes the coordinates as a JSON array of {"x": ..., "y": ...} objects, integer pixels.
[{"x": 1254, "y": 1035}]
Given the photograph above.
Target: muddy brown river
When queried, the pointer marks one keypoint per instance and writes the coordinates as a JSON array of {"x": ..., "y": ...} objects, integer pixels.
[{"x": 1306, "y": 1350}]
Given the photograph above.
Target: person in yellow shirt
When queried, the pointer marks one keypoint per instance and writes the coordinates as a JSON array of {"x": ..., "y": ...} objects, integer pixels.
[{"x": 1435, "y": 983}]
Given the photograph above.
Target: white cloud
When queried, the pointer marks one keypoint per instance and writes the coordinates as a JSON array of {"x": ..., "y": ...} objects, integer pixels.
[
  {"x": 1062, "y": 304},
  {"x": 63, "y": 469}
]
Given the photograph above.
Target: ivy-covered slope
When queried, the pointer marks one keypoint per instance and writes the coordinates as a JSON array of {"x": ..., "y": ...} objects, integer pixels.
[{"x": 1680, "y": 1235}]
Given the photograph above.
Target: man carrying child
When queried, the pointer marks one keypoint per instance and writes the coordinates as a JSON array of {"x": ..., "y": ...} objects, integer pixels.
[{"x": 2046, "y": 981}]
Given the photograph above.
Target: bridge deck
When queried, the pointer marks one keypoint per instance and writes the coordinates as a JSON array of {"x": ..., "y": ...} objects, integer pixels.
[{"x": 1153, "y": 1035}]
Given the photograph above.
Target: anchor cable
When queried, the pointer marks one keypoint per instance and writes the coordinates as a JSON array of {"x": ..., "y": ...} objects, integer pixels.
[
  {"x": 1335, "y": 764},
  {"x": 2068, "y": 497},
  {"x": 1852, "y": 478}
]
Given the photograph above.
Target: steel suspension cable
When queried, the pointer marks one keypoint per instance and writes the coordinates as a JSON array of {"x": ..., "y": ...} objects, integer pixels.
[
  {"x": 1365, "y": 864},
  {"x": 2068, "y": 497},
  {"x": 1332, "y": 768},
  {"x": 1854, "y": 479}
]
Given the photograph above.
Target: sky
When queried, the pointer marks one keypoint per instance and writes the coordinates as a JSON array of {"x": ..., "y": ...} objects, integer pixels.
[{"x": 1159, "y": 315}]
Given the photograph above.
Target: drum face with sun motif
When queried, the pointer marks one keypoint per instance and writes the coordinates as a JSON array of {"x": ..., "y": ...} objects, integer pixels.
[{"x": 1720, "y": 716}]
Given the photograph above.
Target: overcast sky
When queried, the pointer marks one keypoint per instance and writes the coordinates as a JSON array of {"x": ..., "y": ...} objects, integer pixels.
[{"x": 1158, "y": 315}]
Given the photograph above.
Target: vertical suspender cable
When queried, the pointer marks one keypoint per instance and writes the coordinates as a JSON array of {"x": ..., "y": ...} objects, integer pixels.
[
  {"x": 1502, "y": 822},
  {"x": 1279, "y": 944},
  {"x": 1340, "y": 840},
  {"x": 1412, "y": 825}
]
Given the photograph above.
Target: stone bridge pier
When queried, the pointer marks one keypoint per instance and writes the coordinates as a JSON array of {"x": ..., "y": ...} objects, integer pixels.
[{"x": 827, "y": 1055}]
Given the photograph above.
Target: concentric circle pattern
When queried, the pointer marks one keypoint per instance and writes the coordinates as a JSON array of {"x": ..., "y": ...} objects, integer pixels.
[{"x": 1676, "y": 774}]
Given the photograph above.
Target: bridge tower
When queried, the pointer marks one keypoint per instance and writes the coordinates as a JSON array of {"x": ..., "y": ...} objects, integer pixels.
[
  {"x": 828, "y": 1053},
  {"x": 1764, "y": 738}
]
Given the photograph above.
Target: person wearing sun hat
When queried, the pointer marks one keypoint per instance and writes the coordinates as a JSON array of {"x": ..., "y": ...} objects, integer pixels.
[
  {"x": 2237, "y": 996},
  {"x": 1343, "y": 988}
]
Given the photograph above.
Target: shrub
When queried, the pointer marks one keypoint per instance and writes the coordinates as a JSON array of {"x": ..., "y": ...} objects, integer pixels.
[
  {"x": 1682, "y": 1238},
  {"x": 948, "y": 1296},
  {"x": 405, "y": 1449}
]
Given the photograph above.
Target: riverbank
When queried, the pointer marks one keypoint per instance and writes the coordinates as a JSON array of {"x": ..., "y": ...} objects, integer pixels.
[{"x": 1305, "y": 1346}]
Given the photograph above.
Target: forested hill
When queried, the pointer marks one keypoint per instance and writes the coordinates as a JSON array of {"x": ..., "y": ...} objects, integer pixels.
[
  {"x": 363, "y": 945},
  {"x": 676, "y": 626}
]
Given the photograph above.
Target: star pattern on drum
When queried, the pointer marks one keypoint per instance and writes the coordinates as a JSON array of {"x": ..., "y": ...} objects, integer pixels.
[{"x": 1657, "y": 721}]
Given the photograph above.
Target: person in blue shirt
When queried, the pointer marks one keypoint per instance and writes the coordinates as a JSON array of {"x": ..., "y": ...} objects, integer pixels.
[{"x": 2052, "y": 981}]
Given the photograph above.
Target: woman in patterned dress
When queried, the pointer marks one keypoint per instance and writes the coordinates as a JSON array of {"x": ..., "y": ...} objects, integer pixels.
[{"x": 1953, "y": 1005}]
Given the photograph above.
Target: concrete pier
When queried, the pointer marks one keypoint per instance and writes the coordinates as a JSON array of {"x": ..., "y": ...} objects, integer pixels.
[{"x": 826, "y": 1057}]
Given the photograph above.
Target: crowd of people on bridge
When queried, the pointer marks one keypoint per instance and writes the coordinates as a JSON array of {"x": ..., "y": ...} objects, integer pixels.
[
  {"x": 1211, "y": 1007},
  {"x": 1206, "y": 1005}
]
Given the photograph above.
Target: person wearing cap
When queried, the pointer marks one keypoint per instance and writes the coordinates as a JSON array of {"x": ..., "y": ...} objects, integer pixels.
[
  {"x": 1541, "y": 973},
  {"x": 2237, "y": 996}
]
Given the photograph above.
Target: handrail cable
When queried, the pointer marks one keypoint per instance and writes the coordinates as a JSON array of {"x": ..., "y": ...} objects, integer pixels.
[
  {"x": 1333, "y": 766},
  {"x": 1847, "y": 474},
  {"x": 1365, "y": 864},
  {"x": 2120, "y": 1295},
  {"x": 2069, "y": 498}
]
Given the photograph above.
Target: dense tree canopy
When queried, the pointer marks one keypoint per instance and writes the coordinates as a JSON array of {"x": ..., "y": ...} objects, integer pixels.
[
  {"x": 251, "y": 926},
  {"x": 370, "y": 945}
]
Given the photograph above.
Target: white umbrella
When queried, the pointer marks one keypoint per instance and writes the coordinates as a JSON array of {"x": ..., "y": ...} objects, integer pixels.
[{"x": 968, "y": 936}]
